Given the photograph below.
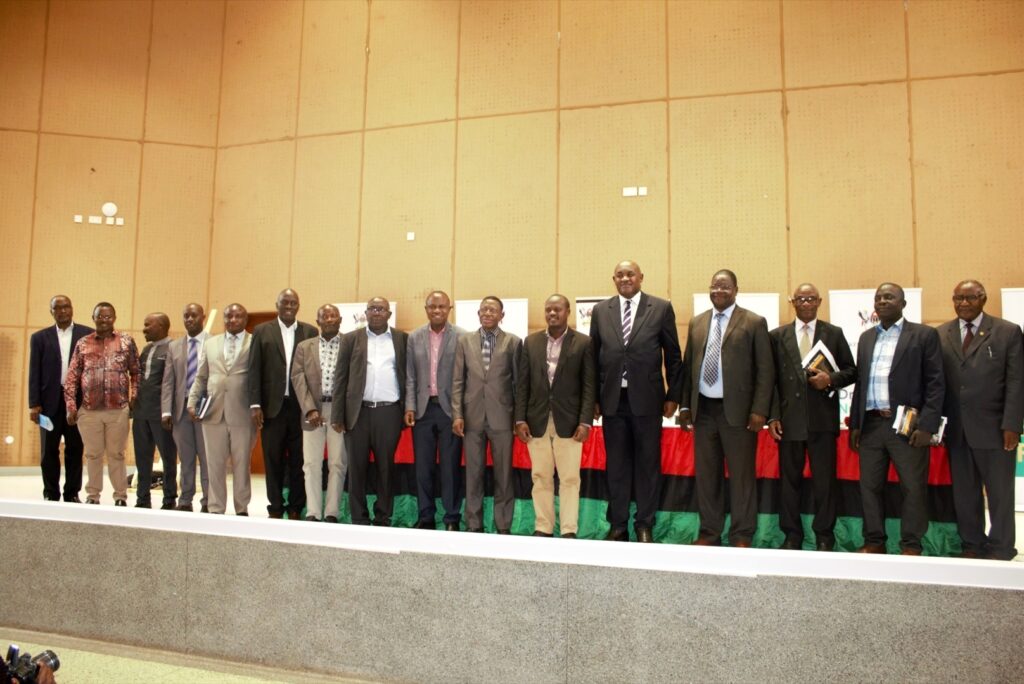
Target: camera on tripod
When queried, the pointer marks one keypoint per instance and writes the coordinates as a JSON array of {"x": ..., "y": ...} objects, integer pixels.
[{"x": 24, "y": 668}]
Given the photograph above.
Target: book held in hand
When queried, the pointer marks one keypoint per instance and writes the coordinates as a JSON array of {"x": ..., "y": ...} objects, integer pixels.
[
  {"x": 820, "y": 358},
  {"x": 906, "y": 422},
  {"x": 203, "y": 407}
]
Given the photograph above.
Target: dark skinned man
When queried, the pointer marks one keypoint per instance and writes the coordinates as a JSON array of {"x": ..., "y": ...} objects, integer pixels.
[{"x": 147, "y": 432}]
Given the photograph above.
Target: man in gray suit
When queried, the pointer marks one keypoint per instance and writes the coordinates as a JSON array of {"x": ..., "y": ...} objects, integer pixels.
[
  {"x": 219, "y": 398},
  {"x": 147, "y": 431},
  {"x": 183, "y": 358},
  {"x": 983, "y": 358},
  {"x": 313, "y": 367},
  {"x": 727, "y": 389},
  {"x": 430, "y": 360},
  {"x": 483, "y": 400}
]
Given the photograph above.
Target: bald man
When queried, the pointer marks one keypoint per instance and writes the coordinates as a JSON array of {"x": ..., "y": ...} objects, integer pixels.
[{"x": 147, "y": 430}]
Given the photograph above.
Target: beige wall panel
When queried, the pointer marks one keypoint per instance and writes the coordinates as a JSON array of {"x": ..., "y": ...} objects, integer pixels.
[
  {"x": 964, "y": 36},
  {"x": 184, "y": 71},
  {"x": 22, "y": 38},
  {"x": 17, "y": 183},
  {"x": 612, "y": 51},
  {"x": 728, "y": 194},
  {"x": 508, "y": 59},
  {"x": 96, "y": 59},
  {"x": 843, "y": 41},
  {"x": 259, "y": 90},
  {"x": 172, "y": 260},
  {"x": 333, "y": 67},
  {"x": 89, "y": 263},
  {"x": 408, "y": 185},
  {"x": 506, "y": 210},
  {"x": 326, "y": 234},
  {"x": 968, "y": 147},
  {"x": 252, "y": 225},
  {"x": 413, "y": 56},
  {"x": 14, "y": 407},
  {"x": 603, "y": 150},
  {"x": 722, "y": 47},
  {"x": 850, "y": 208}
]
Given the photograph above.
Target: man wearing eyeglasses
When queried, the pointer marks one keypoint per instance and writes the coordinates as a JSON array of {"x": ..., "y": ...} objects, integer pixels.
[
  {"x": 983, "y": 358},
  {"x": 804, "y": 418}
]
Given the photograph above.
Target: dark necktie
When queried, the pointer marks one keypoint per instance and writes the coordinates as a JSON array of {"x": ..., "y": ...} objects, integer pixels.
[
  {"x": 968, "y": 336},
  {"x": 488, "y": 347},
  {"x": 714, "y": 352}
]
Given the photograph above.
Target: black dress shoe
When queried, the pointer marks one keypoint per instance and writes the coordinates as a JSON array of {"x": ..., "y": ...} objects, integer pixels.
[
  {"x": 121, "y": 502},
  {"x": 426, "y": 525},
  {"x": 51, "y": 498},
  {"x": 142, "y": 504},
  {"x": 204, "y": 509},
  {"x": 244, "y": 514},
  {"x": 616, "y": 534},
  {"x": 275, "y": 515},
  {"x": 295, "y": 515},
  {"x": 381, "y": 523},
  {"x": 331, "y": 519},
  {"x": 73, "y": 499},
  {"x": 475, "y": 529},
  {"x": 185, "y": 507},
  {"x": 504, "y": 532},
  {"x": 167, "y": 507},
  {"x": 792, "y": 545},
  {"x": 95, "y": 502},
  {"x": 825, "y": 546},
  {"x": 644, "y": 535},
  {"x": 569, "y": 535},
  {"x": 310, "y": 518},
  {"x": 451, "y": 527},
  {"x": 538, "y": 533}
]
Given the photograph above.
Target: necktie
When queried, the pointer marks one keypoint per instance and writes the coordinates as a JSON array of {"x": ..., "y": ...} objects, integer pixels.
[
  {"x": 192, "y": 365},
  {"x": 488, "y": 345},
  {"x": 805, "y": 341},
  {"x": 229, "y": 354},
  {"x": 968, "y": 336},
  {"x": 714, "y": 352},
  {"x": 627, "y": 327}
]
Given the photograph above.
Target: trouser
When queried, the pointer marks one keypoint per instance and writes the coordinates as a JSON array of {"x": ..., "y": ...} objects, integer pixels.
[
  {"x": 49, "y": 458},
  {"x": 434, "y": 442},
  {"x": 633, "y": 446},
  {"x": 564, "y": 453},
  {"x": 715, "y": 444},
  {"x": 820, "y": 447},
  {"x": 282, "y": 451},
  {"x": 229, "y": 444},
  {"x": 105, "y": 432},
  {"x": 148, "y": 434},
  {"x": 188, "y": 438},
  {"x": 476, "y": 466},
  {"x": 993, "y": 469},
  {"x": 878, "y": 444},
  {"x": 377, "y": 430},
  {"x": 313, "y": 442}
]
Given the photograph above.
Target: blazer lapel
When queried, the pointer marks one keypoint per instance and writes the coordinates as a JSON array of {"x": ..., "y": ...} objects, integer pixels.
[
  {"x": 567, "y": 340},
  {"x": 733, "y": 322},
  {"x": 703, "y": 325},
  {"x": 279, "y": 339},
  {"x": 791, "y": 346},
  {"x": 317, "y": 370},
  {"x": 953, "y": 333},
  {"x": 984, "y": 330},
  {"x": 640, "y": 315},
  {"x": 901, "y": 345}
]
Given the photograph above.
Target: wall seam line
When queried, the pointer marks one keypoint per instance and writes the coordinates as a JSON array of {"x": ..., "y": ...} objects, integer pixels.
[
  {"x": 295, "y": 142},
  {"x": 216, "y": 159},
  {"x": 362, "y": 146},
  {"x": 785, "y": 148},
  {"x": 142, "y": 158},
  {"x": 910, "y": 149},
  {"x": 668, "y": 158},
  {"x": 455, "y": 152}
]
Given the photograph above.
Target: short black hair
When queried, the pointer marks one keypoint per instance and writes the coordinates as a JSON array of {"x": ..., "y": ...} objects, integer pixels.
[
  {"x": 727, "y": 272},
  {"x": 104, "y": 304},
  {"x": 501, "y": 304}
]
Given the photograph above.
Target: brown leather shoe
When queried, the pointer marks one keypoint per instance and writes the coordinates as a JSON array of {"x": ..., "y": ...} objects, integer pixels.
[
  {"x": 910, "y": 552},
  {"x": 538, "y": 533},
  {"x": 707, "y": 541},
  {"x": 740, "y": 544},
  {"x": 616, "y": 534},
  {"x": 825, "y": 546},
  {"x": 644, "y": 535},
  {"x": 968, "y": 553},
  {"x": 792, "y": 545},
  {"x": 275, "y": 515},
  {"x": 872, "y": 548}
]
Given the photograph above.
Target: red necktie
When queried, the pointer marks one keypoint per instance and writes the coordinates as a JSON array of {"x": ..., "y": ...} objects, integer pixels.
[{"x": 968, "y": 336}]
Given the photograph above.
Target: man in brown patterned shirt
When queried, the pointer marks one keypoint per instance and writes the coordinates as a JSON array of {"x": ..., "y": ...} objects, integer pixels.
[{"x": 105, "y": 365}]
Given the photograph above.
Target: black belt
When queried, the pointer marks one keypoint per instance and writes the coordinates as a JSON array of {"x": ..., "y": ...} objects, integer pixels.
[
  {"x": 326, "y": 400},
  {"x": 378, "y": 404},
  {"x": 433, "y": 400},
  {"x": 711, "y": 399},
  {"x": 879, "y": 413}
]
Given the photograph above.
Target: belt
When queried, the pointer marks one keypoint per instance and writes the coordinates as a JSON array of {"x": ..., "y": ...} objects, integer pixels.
[
  {"x": 879, "y": 413},
  {"x": 711, "y": 399},
  {"x": 378, "y": 404},
  {"x": 433, "y": 400},
  {"x": 326, "y": 400}
]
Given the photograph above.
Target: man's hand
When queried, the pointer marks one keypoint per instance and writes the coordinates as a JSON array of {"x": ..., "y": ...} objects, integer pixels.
[
  {"x": 192, "y": 414},
  {"x": 314, "y": 419},
  {"x": 166, "y": 424},
  {"x": 920, "y": 438},
  {"x": 523, "y": 433},
  {"x": 1010, "y": 440},
  {"x": 257, "y": 417},
  {"x": 756, "y": 422},
  {"x": 72, "y": 416},
  {"x": 775, "y": 429},
  {"x": 818, "y": 379},
  {"x": 338, "y": 427},
  {"x": 685, "y": 420},
  {"x": 33, "y": 413},
  {"x": 410, "y": 418},
  {"x": 597, "y": 411},
  {"x": 855, "y": 440},
  {"x": 669, "y": 409},
  {"x": 581, "y": 434},
  {"x": 44, "y": 675},
  {"x": 459, "y": 427}
]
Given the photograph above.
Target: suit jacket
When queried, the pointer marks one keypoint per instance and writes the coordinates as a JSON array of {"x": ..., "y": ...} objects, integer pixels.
[
  {"x": 653, "y": 341},
  {"x": 985, "y": 386},
  {"x": 173, "y": 393},
  {"x": 148, "y": 400},
  {"x": 748, "y": 370},
  {"x": 307, "y": 378},
  {"x": 417, "y": 371},
  {"x": 915, "y": 379},
  {"x": 350, "y": 375},
  {"x": 485, "y": 397},
  {"x": 570, "y": 398},
  {"x": 227, "y": 389},
  {"x": 44, "y": 366},
  {"x": 800, "y": 407},
  {"x": 268, "y": 365}
]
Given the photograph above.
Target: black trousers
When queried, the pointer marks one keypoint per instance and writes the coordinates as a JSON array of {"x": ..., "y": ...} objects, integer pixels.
[
  {"x": 820, "y": 447},
  {"x": 49, "y": 458},
  {"x": 376, "y": 430},
  {"x": 147, "y": 435},
  {"x": 282, "y": 455},
  {"x": 878, "y": 444},
  {"x": 633, "y": 447},
  {"x": 433, "y": 441},
  {"x": 992, "y": 469},
  {"x": 716, "y": 443}
]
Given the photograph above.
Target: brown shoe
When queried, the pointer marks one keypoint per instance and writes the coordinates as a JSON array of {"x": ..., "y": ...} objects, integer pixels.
[
  {"x": 910, "y": 552},
  {"x": 616, "y": 534},
  {"x": 968, "y": 553},
  {"x": 275, "y": 515},
  {"x": 707, "y": 541},
  {"x": 740, "y": 544},
  {"x": 644, "y": 536},
  {"x": 872, "y": 548}
]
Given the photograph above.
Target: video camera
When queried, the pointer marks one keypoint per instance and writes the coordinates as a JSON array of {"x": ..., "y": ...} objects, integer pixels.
[{"x": 24, "y": 668}]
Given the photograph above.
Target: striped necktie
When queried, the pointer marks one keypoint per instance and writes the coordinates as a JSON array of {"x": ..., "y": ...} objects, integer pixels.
[
  {"x": 714, "y": 352},
  {"x": 627, "y": 327},
  {"x": 487, "y": 348}
]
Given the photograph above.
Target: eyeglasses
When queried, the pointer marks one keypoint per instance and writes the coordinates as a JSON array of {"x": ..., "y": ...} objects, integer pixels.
[
  {"x": 805, "y": 300},
  {"x": 970, "y": 299}
]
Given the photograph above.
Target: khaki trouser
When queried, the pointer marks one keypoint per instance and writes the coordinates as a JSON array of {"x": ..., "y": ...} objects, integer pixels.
[
  {"x": 564, "y": 453},
  {"x": 104, "y": 432},
  {"x": 229, "y": 444},
  {"x": 313, "y": 442}
]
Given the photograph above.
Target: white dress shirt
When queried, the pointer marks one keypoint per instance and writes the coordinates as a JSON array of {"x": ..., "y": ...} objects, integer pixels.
[
  {"x": 64, "y": 340},
  {"x": 381, "y": 375},
  {"x": 288, "y": 335},
  {"x": 717, "y": 390}
]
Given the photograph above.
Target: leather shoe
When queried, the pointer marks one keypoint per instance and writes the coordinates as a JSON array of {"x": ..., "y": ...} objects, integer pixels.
[
  {"x": 95, "y": 502},
  {"x": 381, "y": 523},
  {"x": 475, "y": 529},
  {"x": 167, "y": 507},
  {"x": 73, "y": 499},
  {"x": 244, "y": 514},
  {"x": 707, "y": 541},
  {"x": 792, "y": 545},
  {"x": 910, "y": 552},
  {"x": 121, "y": 502},
  {"x": 140, "y": 504},
  {"x": 275, "y": 515},
  {"x": 644, "y": 536},
  {"x": 426, "y": 525},
  {"x": 331, "y": 519},
  {"x": 538, "y": 533},
  {"x": 616, "y": 534},
  {"x": 504, "y": 532},
  {"x": 204, "y": 509},
  {"x": 295, "y": 515},
  {"x": 740, "y": 544},
  {"x": 451, "y": 527},
  {"x": 872, "y": 548},
  {"x": 569, "y": 535},
  {"x": 970, "y": 553},
  {"x": 310, "y": 518},
  {"x": 825, "y": 546},
  {"x": 184, "y": 507}
]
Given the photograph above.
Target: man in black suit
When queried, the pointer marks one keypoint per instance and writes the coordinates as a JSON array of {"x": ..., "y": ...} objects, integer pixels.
[
  {"x": 899, "y": 363},
  {"x": 634, "y": 335},
  {"x": 983, "y": 358},
  {"x": 274, "y": 407},
  {"x": 555, "y": 400},
  {"x": 805, "y": 416},
  {"x": 368, "y": 401},
  {"x": 147, "y": 431},
  {"x": 49, "y": 353}
]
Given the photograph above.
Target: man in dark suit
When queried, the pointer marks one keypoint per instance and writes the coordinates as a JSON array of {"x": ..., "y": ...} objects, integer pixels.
[
  {"x": 274, "y": 407},
  {"x": 983, "y": 357},
  {"x": 428, "y": 411},
  {"x": 49, "y": 354},
  {"x": 899, "y": 363},
  {"x": 368, "y": 398},
  {"x": 633, "y": 336},
  {"x": 805, "y": 416},
  {"x": 730, "y": 377},
  {"x": 555, "y": 398},
  {"x": 483, "y": 401},
  {"x": 147, "y": 431}
]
